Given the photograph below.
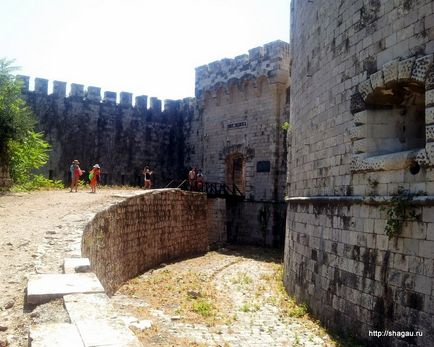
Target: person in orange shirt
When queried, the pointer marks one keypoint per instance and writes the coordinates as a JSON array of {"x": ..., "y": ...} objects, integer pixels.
[{"x": 94, "y": 176}]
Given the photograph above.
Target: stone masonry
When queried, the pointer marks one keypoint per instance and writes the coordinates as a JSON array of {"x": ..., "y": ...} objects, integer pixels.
[
  {"x": 361, "y": 99},
  {"x": 144, "y": 231},
  {"x": 122, "y": 138},
  {"x": 236, "y": 137}
]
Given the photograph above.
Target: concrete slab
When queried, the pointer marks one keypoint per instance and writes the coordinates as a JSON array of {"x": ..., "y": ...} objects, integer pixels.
[
  {"x": 55, "y": 334},
  {"x": 76, "y": 265},
  {"x": 43, "y": 288},
  {"x": 96, "y": 333},
  {"x": 89, "y": 307}
]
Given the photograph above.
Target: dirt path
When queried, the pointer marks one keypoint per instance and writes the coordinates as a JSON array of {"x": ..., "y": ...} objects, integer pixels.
[{"x": 37, "y": 231}]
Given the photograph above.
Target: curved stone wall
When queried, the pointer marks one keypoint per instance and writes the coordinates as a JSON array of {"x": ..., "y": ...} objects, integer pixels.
[
  {"x": 338, "y": 257},
  {"x": 143, "y": 232}
]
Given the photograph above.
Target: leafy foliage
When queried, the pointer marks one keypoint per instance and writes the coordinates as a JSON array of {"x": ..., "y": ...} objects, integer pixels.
[
  {"x": 21, "y": 148},
  {"x": 286, "y": 126},
  {"x": 15, "y": 117},
  {"x": 400, "y": 209},
  {"x": 27, "y": 154}
]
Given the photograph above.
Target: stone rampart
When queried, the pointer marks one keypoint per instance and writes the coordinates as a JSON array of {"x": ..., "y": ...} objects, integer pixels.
[
  {"x": 122, "y": 138},
  {"x": 143, "y": 232},
  {"x": 270, "y": 60}
]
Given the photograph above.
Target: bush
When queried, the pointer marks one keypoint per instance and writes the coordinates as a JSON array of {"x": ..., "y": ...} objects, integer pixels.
[
  {"x": 36, "y": 182},
  {"x": 26, "y": 155}
]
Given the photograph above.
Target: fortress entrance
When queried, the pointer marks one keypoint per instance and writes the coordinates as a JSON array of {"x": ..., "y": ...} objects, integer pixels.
[{"x": 235, "y": 171}]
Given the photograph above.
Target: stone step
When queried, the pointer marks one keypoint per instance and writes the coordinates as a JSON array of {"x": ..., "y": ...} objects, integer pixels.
[
  {"x": 106, "y": 333},
  {"x": 76, "y": 265},
  {"x": 43, "y": 288},
  {"x": 89, "y": 306},
  {"x": 98, "y": 321},
  {"x": 55, "y": 334}
]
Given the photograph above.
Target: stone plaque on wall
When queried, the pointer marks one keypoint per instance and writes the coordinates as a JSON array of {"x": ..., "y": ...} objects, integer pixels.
[
  {"x": 263, "y": 166},
  {"x": 235, "y": 125}
]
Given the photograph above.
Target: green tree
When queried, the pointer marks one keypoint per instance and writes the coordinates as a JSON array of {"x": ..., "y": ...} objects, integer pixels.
[
  {"x": 22, "y": 150},
  {"x": 15, "y": 117}
]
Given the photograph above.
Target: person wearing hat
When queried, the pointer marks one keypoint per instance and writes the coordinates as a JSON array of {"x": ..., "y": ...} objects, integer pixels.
[
  {"x": 76, "y": 172},
  {"x": 93, "y": 176}
]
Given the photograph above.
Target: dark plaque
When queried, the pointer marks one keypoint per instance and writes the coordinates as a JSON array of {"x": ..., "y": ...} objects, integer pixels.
[{"x": 263, "y": 166}]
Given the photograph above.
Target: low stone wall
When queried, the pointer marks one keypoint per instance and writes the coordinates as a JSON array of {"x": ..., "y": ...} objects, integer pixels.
[
  {"x": 339, "y": 260},
  {"x": 143, "y": 232}
]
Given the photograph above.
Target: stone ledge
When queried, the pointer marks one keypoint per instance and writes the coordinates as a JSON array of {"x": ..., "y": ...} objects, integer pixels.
[
  {"x": 422, "y": 200},
  {"x": 43, "y": 288}
]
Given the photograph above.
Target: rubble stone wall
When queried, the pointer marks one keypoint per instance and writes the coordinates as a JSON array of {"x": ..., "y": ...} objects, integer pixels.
[
  {"x": 353, "y": 61},
  {"x": 143, "y": 232}
]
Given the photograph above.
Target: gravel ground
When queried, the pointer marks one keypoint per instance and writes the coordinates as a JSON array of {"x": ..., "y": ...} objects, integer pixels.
[{"x": 248, "y": 303}]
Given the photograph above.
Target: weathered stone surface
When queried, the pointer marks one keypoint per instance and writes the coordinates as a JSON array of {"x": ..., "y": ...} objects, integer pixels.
[
  {"x": 56, "y": 334},
  {"x": 43, "y": 288},
  {"x": 365, "y": 88},
  {"x": 74, "y": 265},
  {"x": 405, "y": 68},
  {"x": 144, "y": 231},
  {"x": 338, "y": 257},
  {"x": 106, "y": 333},
  {"x": 421, "y": 67},
  {"x": 390, "y": 71}
]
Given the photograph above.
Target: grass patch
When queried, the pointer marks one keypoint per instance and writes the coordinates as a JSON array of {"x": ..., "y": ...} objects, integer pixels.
[
  {"x": 203, "y": 307},
  {"x": 242, "y": 279}
]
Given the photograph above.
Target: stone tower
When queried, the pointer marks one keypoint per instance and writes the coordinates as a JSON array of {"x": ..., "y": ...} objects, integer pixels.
[
  {"x": 237, "y": 137},
  {"x": 362, "y": 142}
]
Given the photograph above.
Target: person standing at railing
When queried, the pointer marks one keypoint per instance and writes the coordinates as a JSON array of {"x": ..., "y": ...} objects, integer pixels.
[
  {"x": 192, "y": 177},
  {"x": 200, "y": 180}
]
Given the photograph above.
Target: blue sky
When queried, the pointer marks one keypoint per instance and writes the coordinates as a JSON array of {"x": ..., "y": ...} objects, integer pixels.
[{"x": 139, "y": 46}]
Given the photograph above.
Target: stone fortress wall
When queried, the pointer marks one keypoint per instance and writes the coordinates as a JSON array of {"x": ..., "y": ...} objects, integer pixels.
[
  {"x": 361, "y": 115},
  {"x": 121, "y": 137},
  {"x": 236, "y": 137},
  {"x": 232, "y": 130}
]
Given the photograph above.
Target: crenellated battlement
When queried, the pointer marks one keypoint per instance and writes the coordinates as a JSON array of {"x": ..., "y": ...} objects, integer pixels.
[
  {"x": 92, "y": 93},
  {"x": 271, "y": 61}
]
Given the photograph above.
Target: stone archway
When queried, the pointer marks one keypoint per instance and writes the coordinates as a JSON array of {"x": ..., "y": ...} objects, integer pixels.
[{"x": 235, "y": 171}]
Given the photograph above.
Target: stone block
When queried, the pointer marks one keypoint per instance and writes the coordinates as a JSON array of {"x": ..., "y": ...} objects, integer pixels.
[
  {"x": 106, "y": 333},
  {"x": 358, "y": 132},
  {"x": 429, "y": 99},
  {"x": 429, "y": 133},
  {"x": 59, "y": 89},
  {"x": 360, "y": 118},
  {"x": 43, "y": 288},
  {"x": 77, "y": 90},
  {"x": 55, "y": 334},
  {"x": 377, "y": 80},
  {"x": 75, "y": 265},
  {"x": 421, "y": 67},
  {"x": 390, "y": 71},
  {"x": 94, "y": 94},
  {"x": 126, "y": 99},
  {"x": 405, "y": 68},
  {"x": 110, "y": 97},
  {"x": 41, "y": 86},
  {"x": 365, "y": 88}
]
